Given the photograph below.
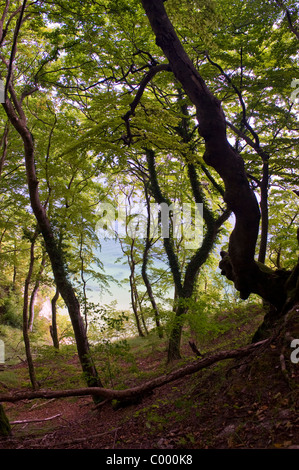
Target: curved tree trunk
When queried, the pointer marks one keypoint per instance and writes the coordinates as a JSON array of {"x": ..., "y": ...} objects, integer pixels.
[
  {"x": 185, "y": 286},
  {"x": 219, "y": 153},
  {"x": 281, "y": 289}
]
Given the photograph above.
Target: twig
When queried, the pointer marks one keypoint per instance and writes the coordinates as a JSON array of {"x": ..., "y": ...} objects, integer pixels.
[
  {"x": 25, "y": 421},
  {"x": 38, "y": 405},
  {"x": 83, "y": 439}
]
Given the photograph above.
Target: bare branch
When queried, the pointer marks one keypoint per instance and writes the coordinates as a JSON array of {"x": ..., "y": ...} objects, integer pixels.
[
  {"x": 26, "y": 421},
  {"x": 14, "y": 48}
]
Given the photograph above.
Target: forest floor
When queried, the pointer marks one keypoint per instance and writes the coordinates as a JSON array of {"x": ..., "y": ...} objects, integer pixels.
[{"x": 247, "y": 404}]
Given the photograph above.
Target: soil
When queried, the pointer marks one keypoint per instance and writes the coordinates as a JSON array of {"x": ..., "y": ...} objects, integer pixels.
[{"x": 251, "y": 403}]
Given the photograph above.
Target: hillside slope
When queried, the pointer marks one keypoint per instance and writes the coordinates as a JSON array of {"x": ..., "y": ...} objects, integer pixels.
[{"x": 247, "y": 403}]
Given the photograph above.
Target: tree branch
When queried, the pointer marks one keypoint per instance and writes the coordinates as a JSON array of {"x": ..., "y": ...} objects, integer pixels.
[
  {"x": 147, "y": 78},
  {"x": 14, "y": 47},
  {"x": 239, "y": 94},
  {"x": 26, "y": 421},
  {"x": 293, "y": 28}
]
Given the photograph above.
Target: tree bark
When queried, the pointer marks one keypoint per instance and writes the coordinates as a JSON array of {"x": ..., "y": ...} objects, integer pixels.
[
  {"x": 4, "y": 144},
  {"x": 147, "y": 283},
  {"x": 134, "y": 298},
  {"x": 264, "y": 212},
  {"x": 5, "y": 428}
]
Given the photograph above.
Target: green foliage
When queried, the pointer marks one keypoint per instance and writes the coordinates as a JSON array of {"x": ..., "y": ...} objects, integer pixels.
[
  {"x": 283, "y": 244},
  {"x": 107, "y": 331},
  {"x": 11, "y": 308}
]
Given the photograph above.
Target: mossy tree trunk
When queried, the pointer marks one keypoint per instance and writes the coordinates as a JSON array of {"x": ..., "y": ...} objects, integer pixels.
[{"x": 185, "y": 283}]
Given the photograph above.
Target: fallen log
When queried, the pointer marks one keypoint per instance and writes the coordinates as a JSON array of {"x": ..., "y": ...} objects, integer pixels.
[{"x": 137, "y": 392}]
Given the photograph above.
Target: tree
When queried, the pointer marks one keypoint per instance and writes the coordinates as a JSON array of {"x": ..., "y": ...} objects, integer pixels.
[
  {"x": 13, "y": 106},
  {"x": 239, "y": 264},
  {"x": 185, "y": 283}
]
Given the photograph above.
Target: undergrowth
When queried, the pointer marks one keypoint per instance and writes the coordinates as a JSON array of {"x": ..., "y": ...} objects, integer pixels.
[{"x": 126, "y": 361}]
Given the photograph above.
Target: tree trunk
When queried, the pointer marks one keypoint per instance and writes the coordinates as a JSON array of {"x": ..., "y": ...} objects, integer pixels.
[
  {"x": 4, "y": 144},
  {"x": 140, "y": 310},
  {"x": 152, "y": 299},
  {"x": 18, "y": 120},
  {"x": 264, "y": 213},
  {"x": 134, "y": 301},
  {"x": 25, "y": 315},
  {"x": 238, "y": 264},
  {"x": 5, "y": 428},
  {"x": 174, "y": 343},
  {"x": 148, "y": 244},
  {"x": 35, "y": 291},
  {"x": 184, "y": 289},
  {"x": 53, "y": 328}
]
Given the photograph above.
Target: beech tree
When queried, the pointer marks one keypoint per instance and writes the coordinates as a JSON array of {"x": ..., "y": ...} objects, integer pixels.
[{"x": 239, "y": 265}]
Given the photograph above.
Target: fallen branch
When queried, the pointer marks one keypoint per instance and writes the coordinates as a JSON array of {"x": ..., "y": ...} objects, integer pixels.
[
  {"x": 137, "y": 392},
  {"x": 25, "y": 421}
]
